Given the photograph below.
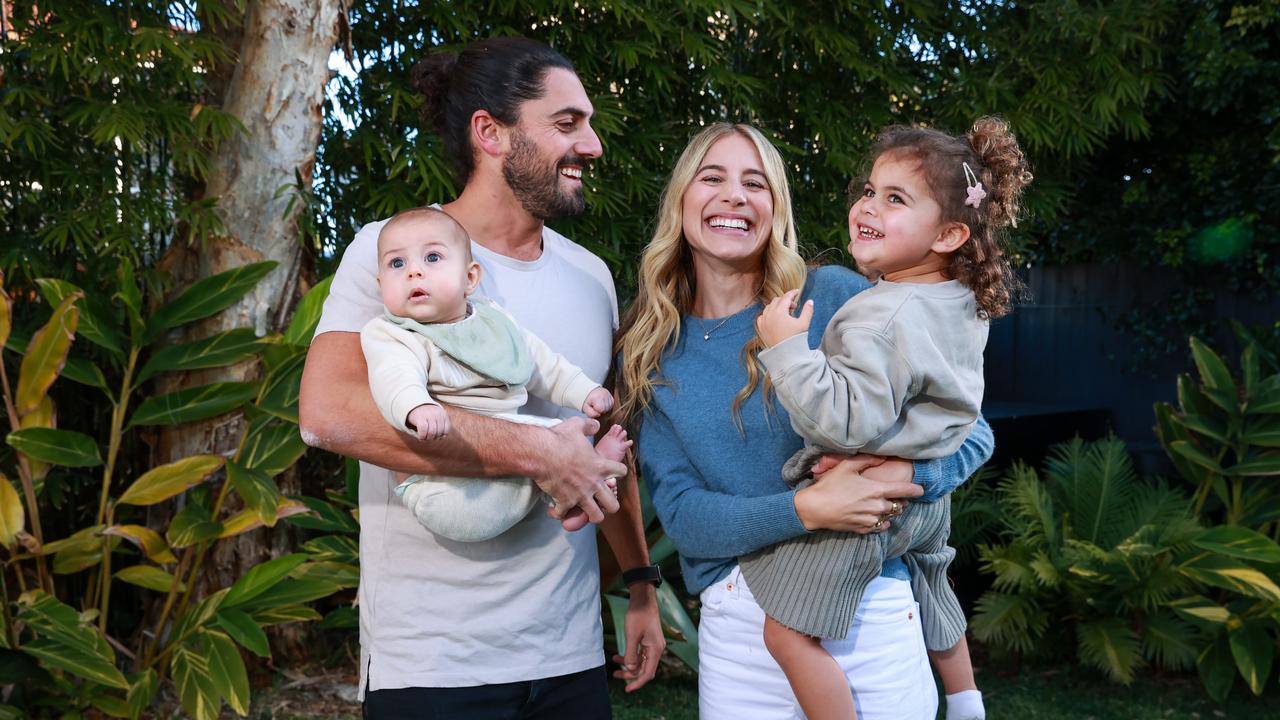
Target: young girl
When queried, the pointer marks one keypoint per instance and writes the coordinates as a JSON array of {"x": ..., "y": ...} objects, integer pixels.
[
  {"x": 899, "y": 374},
  {"x": 434, "y": 345}
]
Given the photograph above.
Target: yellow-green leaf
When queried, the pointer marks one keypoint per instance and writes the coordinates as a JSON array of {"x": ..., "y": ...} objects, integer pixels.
[
  {"x": 257, "y": 489},
  {"x": 164, "y": 482},
  {"x": 307, "y": 314},
  {"x": 1231, "y": 574},
  {"x": 226, "y": 668},
  {"x": 248, "y": 519},
  {"x": 244, "y": 630},
  {"x": 6, "y": 314},
  {"x": 208, "y": 296},
  {"x": 196, "y": 689},
  {"x": 197, "y": 403},
  {"x": 1253, "y": 650},
  {"x": 93, "y": 326},
  {"x": 64, "y": 641},
  {"x": 58, "y": 447},
  {"x": 43, "y": 417},
  {"x": 150, "y": 577},
  {"x": 152, "y": 545},
  {"x": 46, "y": 355},
  {"x": 191, "y": 525},
  {"x": 12, "y": 517}
]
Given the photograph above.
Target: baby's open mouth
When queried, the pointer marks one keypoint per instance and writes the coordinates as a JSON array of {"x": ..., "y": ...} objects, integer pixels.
[{"x": 417, "y": 293}]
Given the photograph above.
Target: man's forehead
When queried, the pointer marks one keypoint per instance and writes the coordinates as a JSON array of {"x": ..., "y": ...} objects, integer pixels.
[{"x": 562, "y": 94}]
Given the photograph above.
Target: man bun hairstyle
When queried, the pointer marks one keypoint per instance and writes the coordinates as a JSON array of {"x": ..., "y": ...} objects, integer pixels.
[
  {"x": 495, "y": 75},
  {"x": 991, "y": 151}
]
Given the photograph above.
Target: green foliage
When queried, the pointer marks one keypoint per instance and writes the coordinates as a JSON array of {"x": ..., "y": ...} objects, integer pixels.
[{"x": 191, "y": 640}]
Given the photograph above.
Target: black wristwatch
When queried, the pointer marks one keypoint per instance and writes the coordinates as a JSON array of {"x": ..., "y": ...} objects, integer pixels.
[{"x": 644, "y": 573}]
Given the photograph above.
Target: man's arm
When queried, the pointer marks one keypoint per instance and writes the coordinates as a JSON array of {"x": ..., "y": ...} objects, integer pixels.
[
  {"x": 624, "y": 530},
  {"x": 337, "y": 413}
]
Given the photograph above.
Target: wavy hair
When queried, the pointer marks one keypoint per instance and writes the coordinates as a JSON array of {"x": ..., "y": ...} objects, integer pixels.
[{"x": 667, "y": 284}]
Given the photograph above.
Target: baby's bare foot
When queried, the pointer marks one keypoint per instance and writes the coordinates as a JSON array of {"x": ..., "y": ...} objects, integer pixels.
[{"x": 614, "y": 444}]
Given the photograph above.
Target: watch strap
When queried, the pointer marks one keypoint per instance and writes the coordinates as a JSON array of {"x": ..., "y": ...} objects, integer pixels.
[{"x": 644, "y": 573}]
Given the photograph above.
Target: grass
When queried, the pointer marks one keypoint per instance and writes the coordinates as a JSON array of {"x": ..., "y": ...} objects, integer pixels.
[{"x": 1029, "y": 695}]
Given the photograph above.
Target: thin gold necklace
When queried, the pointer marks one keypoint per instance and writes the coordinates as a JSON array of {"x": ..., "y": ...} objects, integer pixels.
[{"x": 706, "y": 334}]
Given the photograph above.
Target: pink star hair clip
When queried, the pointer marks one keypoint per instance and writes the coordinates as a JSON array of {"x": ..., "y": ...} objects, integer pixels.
[{"x": 976, "y": 193}]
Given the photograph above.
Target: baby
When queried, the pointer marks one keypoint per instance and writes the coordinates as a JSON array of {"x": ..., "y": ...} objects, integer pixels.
[{"x": 433, "y": 345}]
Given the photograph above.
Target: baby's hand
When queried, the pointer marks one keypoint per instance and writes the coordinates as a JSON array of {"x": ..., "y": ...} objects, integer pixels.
[
  {"x": 431, "y": 421},
  {"x": 775, "y": 323},
  {"x": 599, "y": 402}
]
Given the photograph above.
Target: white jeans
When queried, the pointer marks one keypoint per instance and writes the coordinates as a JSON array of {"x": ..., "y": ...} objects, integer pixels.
[{"x": 883, "y": 656}]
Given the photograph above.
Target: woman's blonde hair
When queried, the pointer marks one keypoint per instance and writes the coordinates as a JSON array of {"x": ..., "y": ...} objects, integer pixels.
[{"x": 667, "y": 283}]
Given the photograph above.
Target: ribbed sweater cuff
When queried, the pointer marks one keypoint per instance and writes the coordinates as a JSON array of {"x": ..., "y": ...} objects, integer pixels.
[{"x": 928, "y": 476}]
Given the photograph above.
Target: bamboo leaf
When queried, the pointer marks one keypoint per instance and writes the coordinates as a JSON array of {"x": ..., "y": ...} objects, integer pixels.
[
  {"x": 152, "y": 545},
  {"x": 92, "y": 326},
  {"x": 259, "y": 578},
  {"x": 218, "y": 350},
  {"x": 1240, "y": 542},
  {"x": 306, "y": 316},
  {"x": 1253, "y": 650},
  {"x": 64, "y": 642},
  {"x": 244, "y": 630},
  {"x": 257, "y": 489},
  {"x": 207, "y": 297},
  {"x": 226, "y": 668},
  {"x": 56, "y": 447},
  {"x": 45, "y": 356},
  {"x": 150, "y": 577},
  {"x": 164, "y": 482},
  {"x": 198, "y": 403},
  {"x": 12, "y": 516}
]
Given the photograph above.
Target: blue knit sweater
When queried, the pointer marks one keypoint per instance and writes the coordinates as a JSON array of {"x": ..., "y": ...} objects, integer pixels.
[{"x": 719, "y": 493}]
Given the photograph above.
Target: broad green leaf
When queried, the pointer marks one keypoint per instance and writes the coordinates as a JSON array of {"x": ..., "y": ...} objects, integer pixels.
[
  {"x": 1190, "y": 452},
  {"x": 56, "y": 447},
  {"x": 142, "y": 687},
  {"x": 42, "y": 417},
  {"x": 200, "y": 615},
  {"x": 12, "y": 516},
  {"x": 1213, "y": 372},
  {"x": 292, "y": 592},
  {"x": 1231, "y": 574},
  {"x": 112, "y": 705},
  {"x": 192, "y": 525},
  {"x": 196, "y": 689},
  {"x": 257, "y": 489},
  {"x": 207, "y": 297},
  {"x": 673, "y": 613},
  {"x": 280, "y": 389},
  {"x": 64, "y": 642},
  {"x": 286, "y": 614},
  {"x": 244, "y": 630},
  {"x": 150, "y": 577},
  {"x": 271, "y": 446},
  {"x": 325, "y": 517},
  {"x": 81, "y": 538},
  {"x": 93, "y": 326},
  {"x": 198, "y": 403},
  {"x": 259, "y": 578},
  {"x": 84, "y": 554},
  {"x": 164, "y": 482},
  {"x": 248, "y": 519},
  {"x": 341, "y": 574},
  {"x": 152, "y": 545},
  {"x": 6, "y": 314},
  {"x": 1266, "y": 465},
  {"x": 618, "y": 612},
  {"x": 1253, "y": 650},
  {"x": 226, "y": 667},
  {"x": 214, "y": 351},
  {"x": 1240, "y": 542},
  {"x": 686, "y": 650},
  {"x": 307, "y": 314},
  {"x": 341, "y": 618},
  {"x": 77, "y": 369},
  {"x": 45, "y": 355},
  {"x": 335, "y": 548},
  {"x": 1266, "y": 399},
  {"x": 131, "y": 298}
]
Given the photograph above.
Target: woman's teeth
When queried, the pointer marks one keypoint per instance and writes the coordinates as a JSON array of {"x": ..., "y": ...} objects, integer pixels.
[{"x": 737, "y": 223}]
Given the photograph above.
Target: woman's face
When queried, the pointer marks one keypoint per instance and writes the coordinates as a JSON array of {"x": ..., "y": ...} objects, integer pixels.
[{"x": 728, "y": 208}]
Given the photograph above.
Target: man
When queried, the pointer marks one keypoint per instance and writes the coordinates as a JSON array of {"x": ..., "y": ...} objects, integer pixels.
[{"x": 509, "y": 627}]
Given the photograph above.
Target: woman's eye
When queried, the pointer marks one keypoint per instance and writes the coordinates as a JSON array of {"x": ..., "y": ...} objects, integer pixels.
[
  {"x": 397, "y": 263},
  {"x": 433, "y": 257},
  {"x": 755, "y": 185},
  {"x": 712, "y": 179}
]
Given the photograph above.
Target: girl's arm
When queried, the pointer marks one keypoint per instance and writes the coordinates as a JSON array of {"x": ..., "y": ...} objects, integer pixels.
[{"x": 943, "y": 475}]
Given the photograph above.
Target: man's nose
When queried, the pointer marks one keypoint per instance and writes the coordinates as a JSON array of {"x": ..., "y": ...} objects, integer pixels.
[{"x": 589, "y": 144}]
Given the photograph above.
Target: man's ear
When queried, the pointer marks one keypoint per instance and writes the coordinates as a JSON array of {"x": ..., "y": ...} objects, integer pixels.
[
  {"x": 953, "y": 235},
  {"x": 487, "y": 134},
  {"x": 473, "y": 277}
]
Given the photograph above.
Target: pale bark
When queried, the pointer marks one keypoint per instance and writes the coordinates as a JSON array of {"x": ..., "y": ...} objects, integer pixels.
[{"x": 277, "y": 91}]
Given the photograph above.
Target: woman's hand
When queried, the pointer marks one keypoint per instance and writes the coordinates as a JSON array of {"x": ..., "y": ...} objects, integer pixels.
[
  {"x": 775, "y": 323},
  {"x": 856, "y": 494}
]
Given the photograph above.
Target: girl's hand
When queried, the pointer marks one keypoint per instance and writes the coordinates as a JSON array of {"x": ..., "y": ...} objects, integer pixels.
[
  {"x": 776, "y": 324},
  {"x": 843, "y": 498}
]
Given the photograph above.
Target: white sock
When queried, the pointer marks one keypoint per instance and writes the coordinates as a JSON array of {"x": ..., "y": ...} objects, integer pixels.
[{"x": 966, "y": 705}]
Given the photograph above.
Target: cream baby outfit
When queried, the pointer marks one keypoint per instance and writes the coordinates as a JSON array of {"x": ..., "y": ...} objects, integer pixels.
[{"x": 485, "y": 364}]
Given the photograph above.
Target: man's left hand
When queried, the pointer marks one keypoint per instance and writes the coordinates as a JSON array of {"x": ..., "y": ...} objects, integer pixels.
[{"x": 645, "y": 642}]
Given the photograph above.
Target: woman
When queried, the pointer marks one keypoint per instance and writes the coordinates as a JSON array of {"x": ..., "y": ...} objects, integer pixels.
[{"x": 712, "y": 438}]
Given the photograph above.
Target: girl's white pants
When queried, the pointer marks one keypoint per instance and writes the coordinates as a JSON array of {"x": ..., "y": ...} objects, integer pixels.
[{"x": 883, "y": 657}]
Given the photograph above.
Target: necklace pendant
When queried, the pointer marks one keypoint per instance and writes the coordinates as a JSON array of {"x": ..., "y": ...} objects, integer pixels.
[{"x": 706, "y": 337}]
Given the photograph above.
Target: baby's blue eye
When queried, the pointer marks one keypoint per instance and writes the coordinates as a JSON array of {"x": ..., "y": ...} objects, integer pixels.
[
  {"x": 433, "y": 257},
  {"x": 397, "y": 263}
]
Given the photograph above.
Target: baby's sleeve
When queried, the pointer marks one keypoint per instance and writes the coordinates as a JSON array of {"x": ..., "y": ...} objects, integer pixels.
[
  {"x": 398, "y": 365},
  {"x": 554, "y": 377}
]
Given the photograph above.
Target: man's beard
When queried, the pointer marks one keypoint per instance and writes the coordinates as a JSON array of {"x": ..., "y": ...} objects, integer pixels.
[{"x": 537, "y": 186}]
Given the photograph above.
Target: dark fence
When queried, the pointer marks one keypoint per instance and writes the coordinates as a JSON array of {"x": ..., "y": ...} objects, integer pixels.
[{"x": 1060, "y": 364}]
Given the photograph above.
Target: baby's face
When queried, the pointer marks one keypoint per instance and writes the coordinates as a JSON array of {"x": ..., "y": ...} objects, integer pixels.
[{"x": 425, "y": 270}]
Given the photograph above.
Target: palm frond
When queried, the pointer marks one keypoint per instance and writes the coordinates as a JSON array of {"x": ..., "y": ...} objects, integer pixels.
[
  {"x": 1110, "y": 645},
  {"x": 1012, "y": 622},
  {"x": 1169, "y": 641}
]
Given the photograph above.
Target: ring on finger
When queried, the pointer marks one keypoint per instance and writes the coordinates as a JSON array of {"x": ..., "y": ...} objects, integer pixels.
[
  {"x": 895, "y": 509},
  {"x": 879, "y": 524}
]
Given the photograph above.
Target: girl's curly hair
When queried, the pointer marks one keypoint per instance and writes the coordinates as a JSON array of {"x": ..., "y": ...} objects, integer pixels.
[{"x": 992, "y": 151}]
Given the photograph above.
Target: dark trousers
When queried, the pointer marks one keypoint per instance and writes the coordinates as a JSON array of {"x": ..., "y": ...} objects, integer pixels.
[{"x": 578, "y": 696}]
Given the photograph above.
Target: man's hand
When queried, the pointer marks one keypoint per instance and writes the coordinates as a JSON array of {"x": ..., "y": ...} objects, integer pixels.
[
  {"x": 645, "y": 642},
  {"x": 845, "y": 498},
  {"x": 599, "y": 402},
  {"x": 430, "y": 421},
  {"x": 775, "y": 323},
  {"x": 574, "y": 474}
]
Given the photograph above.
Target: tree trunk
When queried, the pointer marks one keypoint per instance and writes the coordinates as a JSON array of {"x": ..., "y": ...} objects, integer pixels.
[{"x": 276, "y": 90}]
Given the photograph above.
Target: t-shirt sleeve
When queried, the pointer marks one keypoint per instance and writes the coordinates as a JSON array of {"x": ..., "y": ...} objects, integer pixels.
[{"x": 353, "y": 297}]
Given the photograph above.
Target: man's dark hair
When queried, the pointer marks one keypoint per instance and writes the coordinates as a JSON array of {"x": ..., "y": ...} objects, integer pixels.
[{"x": 496, "y": 75}]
